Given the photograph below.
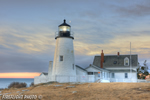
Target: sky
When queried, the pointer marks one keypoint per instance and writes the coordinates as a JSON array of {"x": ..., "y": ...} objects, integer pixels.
[{"x": 27, "y": 31}]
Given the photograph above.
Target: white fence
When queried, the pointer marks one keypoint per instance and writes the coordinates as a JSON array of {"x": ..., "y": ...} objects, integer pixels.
[
  {"x": 122, "y": 80},
  {"x": 129, "y": 80},
  {"x": 143, "y": 81},
  {"x": 65, "y": 79},
  {"x": 39, "y": 79},
  {"x": 81, "y": 78},
  {"x": 78, "y": 78}
]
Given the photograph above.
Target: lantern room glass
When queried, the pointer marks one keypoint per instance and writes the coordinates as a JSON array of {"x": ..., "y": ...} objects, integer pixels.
[{"x": 64, "y": 28}]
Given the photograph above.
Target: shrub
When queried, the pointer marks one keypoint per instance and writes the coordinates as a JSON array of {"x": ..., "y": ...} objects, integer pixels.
[
  {"x": 32, "y": 84},
  {"x": 17, "y": 85}
]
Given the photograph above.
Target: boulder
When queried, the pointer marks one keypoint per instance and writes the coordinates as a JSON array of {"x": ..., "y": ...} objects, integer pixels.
[{"x": 58, "y": 85}]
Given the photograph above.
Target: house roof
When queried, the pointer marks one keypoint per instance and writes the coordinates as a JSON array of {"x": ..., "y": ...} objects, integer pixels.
[
  {"x": 121, "y": 70},
  {"x": 44, "y": 73},
  {"x": 96, "y": 67},
  {"x": 80, "y": 67},
  {"x": 115, "y": 60}
]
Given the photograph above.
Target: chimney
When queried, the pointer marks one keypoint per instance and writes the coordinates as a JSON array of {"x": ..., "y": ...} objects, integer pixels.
[
  {"x": 102, "y": 59},
  {"x": 118, "y": 54},
  {"x": 50, "y": 68}
]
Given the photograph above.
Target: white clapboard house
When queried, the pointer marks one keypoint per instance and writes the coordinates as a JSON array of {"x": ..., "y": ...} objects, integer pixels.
[
  {"x": 115, "y": 68},
  {"x": 121, "y": 68}
]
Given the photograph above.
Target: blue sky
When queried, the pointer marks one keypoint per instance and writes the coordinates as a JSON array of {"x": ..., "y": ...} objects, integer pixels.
[{"x": 27, "y": 30}]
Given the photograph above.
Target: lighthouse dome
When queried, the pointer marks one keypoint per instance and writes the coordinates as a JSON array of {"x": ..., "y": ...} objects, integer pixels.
[
  {"x": 64, "y": 30},
  {"x": 64, "y": 24}
]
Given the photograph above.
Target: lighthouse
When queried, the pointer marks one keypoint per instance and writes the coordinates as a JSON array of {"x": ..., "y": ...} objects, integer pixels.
[{"x": 63, "y": 63}]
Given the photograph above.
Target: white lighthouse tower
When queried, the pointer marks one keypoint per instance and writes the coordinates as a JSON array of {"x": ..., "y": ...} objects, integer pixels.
[{"x": 63, "y": 64}]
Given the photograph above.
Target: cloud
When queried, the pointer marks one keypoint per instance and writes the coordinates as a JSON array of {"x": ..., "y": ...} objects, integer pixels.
[
  {"x": 27, "y": 31},
  {"x": 139, "y": 8},
  {"x": 3, "y": 47},
  {"x": 145, "y": 48},
  {"x": 18, "y": 62},
  {"x": 26, "y": 42},
  {"x": 29, "y": 50},
  {"x": 21, "y": 51},
  {"x": 84, "y": 60}
]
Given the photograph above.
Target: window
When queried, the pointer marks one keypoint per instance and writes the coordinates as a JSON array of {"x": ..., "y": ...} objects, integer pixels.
[
  {"x": 90, "y": 73},
  {"x": 126, "y": 75},
  {"x": 99, "y": 74},
  {"x": 61, "y": 58},
  {"x": 64, "y": 28},
  {"x": 115, "y": 62},
  {"x": 113, "y": 75},
  {"x": 126, "y": 61}
]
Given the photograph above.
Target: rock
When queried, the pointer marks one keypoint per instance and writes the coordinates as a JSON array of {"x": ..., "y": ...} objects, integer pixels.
[
  {"x": 58, "y": 85},
  {"x": 25, "y": 90},
  {"x": 80, "y": 83},
  {"x": 73, "y": 83},
  {"x": 65, "y": 88},
  {"x": 139, "y": 88},
  {"x": 89, "y": 85},
  {"x": 7, "y": 93},
  {"x": 74, "y": 91},
  {"x": 18, "y": 91},
  {"x": 0, "y": 91},
  {"x": 70, "y": 86}
]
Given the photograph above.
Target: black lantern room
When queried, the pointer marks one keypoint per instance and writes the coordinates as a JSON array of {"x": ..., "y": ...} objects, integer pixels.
[{"x": 64, "y": 30}]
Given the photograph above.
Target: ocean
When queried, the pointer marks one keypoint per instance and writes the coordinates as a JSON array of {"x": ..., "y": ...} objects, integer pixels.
[{"x": 4, "y": 82}]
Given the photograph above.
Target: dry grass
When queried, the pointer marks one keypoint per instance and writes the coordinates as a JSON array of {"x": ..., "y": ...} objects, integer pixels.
[{"x": 88, "y": 91}]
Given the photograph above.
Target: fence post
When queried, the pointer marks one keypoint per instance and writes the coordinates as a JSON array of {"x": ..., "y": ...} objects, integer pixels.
[{"x": 55, "y": 77}]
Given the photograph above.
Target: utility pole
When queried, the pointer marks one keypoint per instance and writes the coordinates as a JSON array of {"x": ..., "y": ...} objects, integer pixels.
[{"x": 130, "y": 63}]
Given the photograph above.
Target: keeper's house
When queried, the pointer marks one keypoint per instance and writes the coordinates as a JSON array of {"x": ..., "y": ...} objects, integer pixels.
[{"x": 116, "y": 68}]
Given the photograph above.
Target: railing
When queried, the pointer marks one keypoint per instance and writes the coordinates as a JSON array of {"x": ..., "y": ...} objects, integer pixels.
[{"x": 57, "y": 34}]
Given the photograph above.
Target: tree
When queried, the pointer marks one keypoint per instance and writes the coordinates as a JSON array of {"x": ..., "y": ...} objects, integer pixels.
[
  {"x": 138, "y": 75},
  {"x": 142, "y": 68},
  {"x": 146, "y": 73}
]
